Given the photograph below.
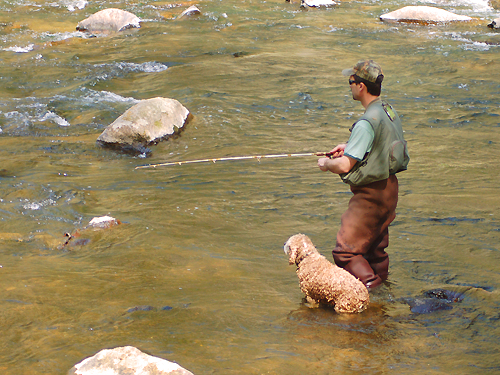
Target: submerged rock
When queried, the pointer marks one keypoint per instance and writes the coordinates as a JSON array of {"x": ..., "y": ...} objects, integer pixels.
[
  {"x": 110, "y": 19},
  {"x": 434, "y": 300},
  {"x": 147, "y": 122},
  {"x": 97, "y": 223},
  {"x": 126, "y": 360},
  {"x": 140, "y": 308},
  {"x": 423, "y": 14},
  {"x": 427, "y": 305},
  {"x": 495, "y": 24}
]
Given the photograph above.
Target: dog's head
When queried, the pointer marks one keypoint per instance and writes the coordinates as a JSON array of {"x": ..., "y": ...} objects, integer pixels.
[{"x": 298, "y": 247}]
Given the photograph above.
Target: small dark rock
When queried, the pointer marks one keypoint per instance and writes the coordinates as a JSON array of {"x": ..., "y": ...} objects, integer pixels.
[
  {"x": 434, "y": 300},
  {"x": 140, "y": 308}
]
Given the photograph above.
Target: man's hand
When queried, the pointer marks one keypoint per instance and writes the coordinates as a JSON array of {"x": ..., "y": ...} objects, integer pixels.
[
  {"x": 338, "y": 151},
  {"x": 322, "y": 164},
  {"x": 338, "y": 163}
]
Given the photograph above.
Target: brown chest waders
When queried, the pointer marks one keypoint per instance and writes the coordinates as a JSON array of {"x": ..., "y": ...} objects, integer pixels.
[{"x": 364, "y": 231}]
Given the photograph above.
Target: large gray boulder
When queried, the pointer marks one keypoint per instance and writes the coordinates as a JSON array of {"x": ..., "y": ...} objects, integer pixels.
[
  {"x": 126, "y": 360},
  {"x": 423, "y": 14},
  {"x": 146, "y": 123},
  {"x": 107, "y": 20}
]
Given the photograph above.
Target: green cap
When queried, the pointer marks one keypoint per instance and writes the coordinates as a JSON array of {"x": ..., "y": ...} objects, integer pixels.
[{"x": 366, "y": 69}]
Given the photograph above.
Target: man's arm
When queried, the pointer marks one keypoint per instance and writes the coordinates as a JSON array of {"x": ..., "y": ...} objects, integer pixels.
[
  {"x": 338, "y": 165},
  {"x": 360, "y": 142}
]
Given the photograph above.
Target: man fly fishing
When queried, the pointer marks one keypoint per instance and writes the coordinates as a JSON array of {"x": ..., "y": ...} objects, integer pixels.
[{"x": 368, "y": 162}]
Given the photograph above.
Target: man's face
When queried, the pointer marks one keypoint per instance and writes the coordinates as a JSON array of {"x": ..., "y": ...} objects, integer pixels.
[{"x": 355, "y": 88}]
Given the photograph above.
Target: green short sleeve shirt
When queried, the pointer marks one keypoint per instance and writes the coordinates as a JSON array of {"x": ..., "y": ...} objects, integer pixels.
[{"x": 361, "y": 140}]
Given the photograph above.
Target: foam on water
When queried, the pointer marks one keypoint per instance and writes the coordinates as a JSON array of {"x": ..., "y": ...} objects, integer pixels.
[
  {"x": 37, "y": 205},
  {"x": 71, "y": 5},
  {"x": 469, "y": 44},
  {"x": 18, "y": 49},
  {"x": 477, "y": 46},
  {"x": 57, "y": 37},
  {"x": 93, "y": 96},
  {"x": 20, "y": 113},
  {"x": 26, "y": 118},
  {"x": 146, "y": 67},
  {"x": 51, "y": 116}
]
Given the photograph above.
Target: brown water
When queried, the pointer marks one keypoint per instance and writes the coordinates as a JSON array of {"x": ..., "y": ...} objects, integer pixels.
[{"x": 202, "y": 244}]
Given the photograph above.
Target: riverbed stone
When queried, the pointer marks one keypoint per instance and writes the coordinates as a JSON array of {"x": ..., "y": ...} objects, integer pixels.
[
  {"x": 317, "y": 3},
  {"x": 495, "y": 24},
  {"x": 103, "y": 222},
  {"x": 191, "y": 11},
  {"x": 111, "y": 19},
  {"x": 146, "y": 123},
  {"x": 424, "y": 14},
  {"x": 126, "y": 360}
]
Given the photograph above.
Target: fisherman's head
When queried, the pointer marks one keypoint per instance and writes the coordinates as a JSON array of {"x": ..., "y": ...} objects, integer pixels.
[{"x": 368, "y": 73}]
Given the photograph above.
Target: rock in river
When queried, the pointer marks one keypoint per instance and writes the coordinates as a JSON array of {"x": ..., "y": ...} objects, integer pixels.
[
  {"x": 495, "y": 24},
  {"x": 147, "y": 122},
  {"x": 103, "y": 222},
  {"x": 423, "y": 14},
  {"x": 126, "y": 360},
  {"x": 317, "y": 3},
  {"x": 434, "y": 300},
  {"x": 97, "y": 223},
  {"x": 191, "y": 11},
  {"x": 110, "y": 19}
]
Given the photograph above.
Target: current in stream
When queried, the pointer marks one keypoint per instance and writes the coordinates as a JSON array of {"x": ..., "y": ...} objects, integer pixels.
[{"x": 196, "y": 272}]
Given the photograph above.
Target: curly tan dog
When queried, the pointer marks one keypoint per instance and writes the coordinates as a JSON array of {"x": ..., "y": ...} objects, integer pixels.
[{"x": 322, "y": 281}]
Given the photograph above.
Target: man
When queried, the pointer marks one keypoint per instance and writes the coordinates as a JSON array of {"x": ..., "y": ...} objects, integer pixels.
[{"x": 375, "y": 152}]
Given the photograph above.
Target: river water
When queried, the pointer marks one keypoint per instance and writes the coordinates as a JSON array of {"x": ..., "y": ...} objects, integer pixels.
[{"x": 196, "y": 273}]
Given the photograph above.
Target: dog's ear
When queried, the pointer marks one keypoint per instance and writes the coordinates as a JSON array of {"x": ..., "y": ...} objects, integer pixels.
[{"x": 290, "y": 250}]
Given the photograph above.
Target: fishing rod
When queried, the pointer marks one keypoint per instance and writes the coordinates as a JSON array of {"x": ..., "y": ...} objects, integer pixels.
[{"x": 258, "y": 157}]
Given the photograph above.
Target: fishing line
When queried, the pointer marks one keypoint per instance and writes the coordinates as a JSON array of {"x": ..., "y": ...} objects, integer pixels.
[{"x": 231, "y": 158}]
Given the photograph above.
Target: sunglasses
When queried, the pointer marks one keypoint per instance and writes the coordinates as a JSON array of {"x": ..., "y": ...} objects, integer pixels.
[{"x": 351, "y": 81}]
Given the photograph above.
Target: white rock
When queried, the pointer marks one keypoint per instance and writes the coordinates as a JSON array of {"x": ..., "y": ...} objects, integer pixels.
[
  {"x": 126, "y": 360},
  {"x": 495, "y": 24},
  {"x": 103, "y": 222},
  {"x": 423, "y": 14},
  {"x": 72, "y": 5},
  {"x": 191, "y": 11},
  {"x": 110, "y": 19},
  {"x": 317, "y": 3}
]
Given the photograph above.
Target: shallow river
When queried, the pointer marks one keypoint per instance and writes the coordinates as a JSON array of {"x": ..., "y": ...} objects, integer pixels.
[{"x": 202, "y": 244}]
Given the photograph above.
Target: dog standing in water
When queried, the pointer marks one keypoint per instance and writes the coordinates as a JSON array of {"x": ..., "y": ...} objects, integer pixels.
[{"x": 323, "y": 282}]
